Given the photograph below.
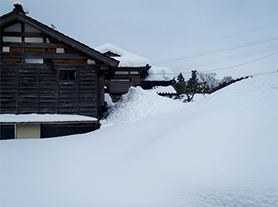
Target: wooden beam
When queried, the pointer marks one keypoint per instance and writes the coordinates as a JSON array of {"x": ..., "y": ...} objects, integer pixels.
[
  {"x": 23, "y": 34},
  {"x": 36, "y": 45},
  {"x": 43, "y": 55}
]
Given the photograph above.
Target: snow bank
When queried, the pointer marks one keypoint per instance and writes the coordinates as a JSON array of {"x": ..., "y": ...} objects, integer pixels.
[
  {"x": 108, "y": 100},
  {"x": 127, "y": 59},
  {"x": 159, "y": 74},
  {"x": 25, "y": 118},
  {"x": 219, "y": 151}
]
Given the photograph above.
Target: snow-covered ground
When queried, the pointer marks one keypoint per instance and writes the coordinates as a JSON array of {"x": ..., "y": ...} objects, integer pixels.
[
  {"x": 27, "y": 118},
  {"x": 221, "y": 150}
]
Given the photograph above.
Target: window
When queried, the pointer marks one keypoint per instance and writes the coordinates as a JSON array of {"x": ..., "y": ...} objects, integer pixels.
[
  {"x": 7, "y": 132},
  {"x": 121, "y": 72},
  {"x": 60, "y": 50},
  {"x": 91, "y": 62},
  {"x": 11, "y": 39},
  {"x": 127, "y": 73},
  {"x": 67, "y": 75},
  {"x": 6, "y": 49},
  {"x": 33, "y": 39},
  {"x": 134, "y": 73},
  {"x": 29, "y": 28},
  {"x": 34, "y": 60},
  {"x": 14, "y": 28}
]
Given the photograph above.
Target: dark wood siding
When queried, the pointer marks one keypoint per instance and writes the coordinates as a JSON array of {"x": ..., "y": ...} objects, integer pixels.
[
  {"x": 124, "y": 78},
  {"x": 37, "y": 88},
  {"x": 119, "y": 86},
  {"x": 44, "y": 71}
]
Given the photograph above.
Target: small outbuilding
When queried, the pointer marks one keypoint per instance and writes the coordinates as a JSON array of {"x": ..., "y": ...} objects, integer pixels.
[{"x": 131, "y": 70}]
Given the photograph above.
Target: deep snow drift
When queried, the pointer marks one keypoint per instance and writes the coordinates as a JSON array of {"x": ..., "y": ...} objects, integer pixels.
[{"x": 153, "y": 151}]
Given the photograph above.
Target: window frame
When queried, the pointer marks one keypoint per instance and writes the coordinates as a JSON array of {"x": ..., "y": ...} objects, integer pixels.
[{"x": 68, "y": 75}]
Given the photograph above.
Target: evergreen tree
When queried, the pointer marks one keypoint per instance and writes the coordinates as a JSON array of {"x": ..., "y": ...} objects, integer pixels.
[
  {"x": 180, "y": 84},
  {"x": 180, "y": 79},
  {"x": 191, "y": 86}
]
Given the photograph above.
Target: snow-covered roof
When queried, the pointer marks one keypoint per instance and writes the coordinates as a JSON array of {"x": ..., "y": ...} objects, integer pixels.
[
  {"x": 159, "y": 74},
  {"x": 42, "y": 118},
  {"x": 164, "y": 89},
  {"x": 127, "y": 59}
]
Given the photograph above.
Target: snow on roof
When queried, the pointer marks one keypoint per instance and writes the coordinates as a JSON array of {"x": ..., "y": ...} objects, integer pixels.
[
  {"x": 126, "y": 59},
  {"x": 35, "y": 118},
  {"x": 159, "y": 74},
  {"x": 164, "y": 89}
]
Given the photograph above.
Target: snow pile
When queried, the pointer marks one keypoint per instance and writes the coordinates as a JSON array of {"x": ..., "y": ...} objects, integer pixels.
[
  {"x": 108, "y": 100},
  {"x": 138, "y": 104},
  {"x": 27, "y": 118},
  {"x": 159, "y": 74},
  {"x": 219, "y": 151},
  {"x": 126, "y": 59}
]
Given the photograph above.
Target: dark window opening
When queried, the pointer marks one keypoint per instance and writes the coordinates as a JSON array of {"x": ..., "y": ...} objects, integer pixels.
[
  {"x": 48, "y": 130},
  {"x": 7, "y": 132},
  {"x": 67, "y": 75}
]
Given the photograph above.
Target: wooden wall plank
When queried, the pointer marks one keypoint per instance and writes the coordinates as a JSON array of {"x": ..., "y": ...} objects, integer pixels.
[{"x": 40, "y": 91}]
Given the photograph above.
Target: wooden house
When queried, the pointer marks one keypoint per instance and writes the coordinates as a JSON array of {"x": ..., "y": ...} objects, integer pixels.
[
  {"x": 131, "y": 70},
  {"x": 46, "y": 72}
]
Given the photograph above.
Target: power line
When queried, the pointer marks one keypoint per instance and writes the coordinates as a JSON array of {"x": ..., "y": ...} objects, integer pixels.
[
  {"x": 232, "y": 57},
  {"x": 219, "y": 50},
  {"x": 212, "y": 40},
  {"x": 224, "y": 68},
  {"x": 246, "y": 63}
]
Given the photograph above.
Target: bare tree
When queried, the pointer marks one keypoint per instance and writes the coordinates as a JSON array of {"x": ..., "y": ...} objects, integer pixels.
[{"x": 207, "y": 82}]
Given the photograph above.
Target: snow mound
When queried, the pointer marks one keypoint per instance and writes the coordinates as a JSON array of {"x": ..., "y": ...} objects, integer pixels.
[
  {"x": 215, "y": 152},
  {"x": 159, "y": 74},
  {"x": 127, "y": 59},
  {"x": 138, "y": 104}
]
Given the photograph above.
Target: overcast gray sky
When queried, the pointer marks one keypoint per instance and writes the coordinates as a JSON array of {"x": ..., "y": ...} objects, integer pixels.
[{"x": 228, "y": 37}]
